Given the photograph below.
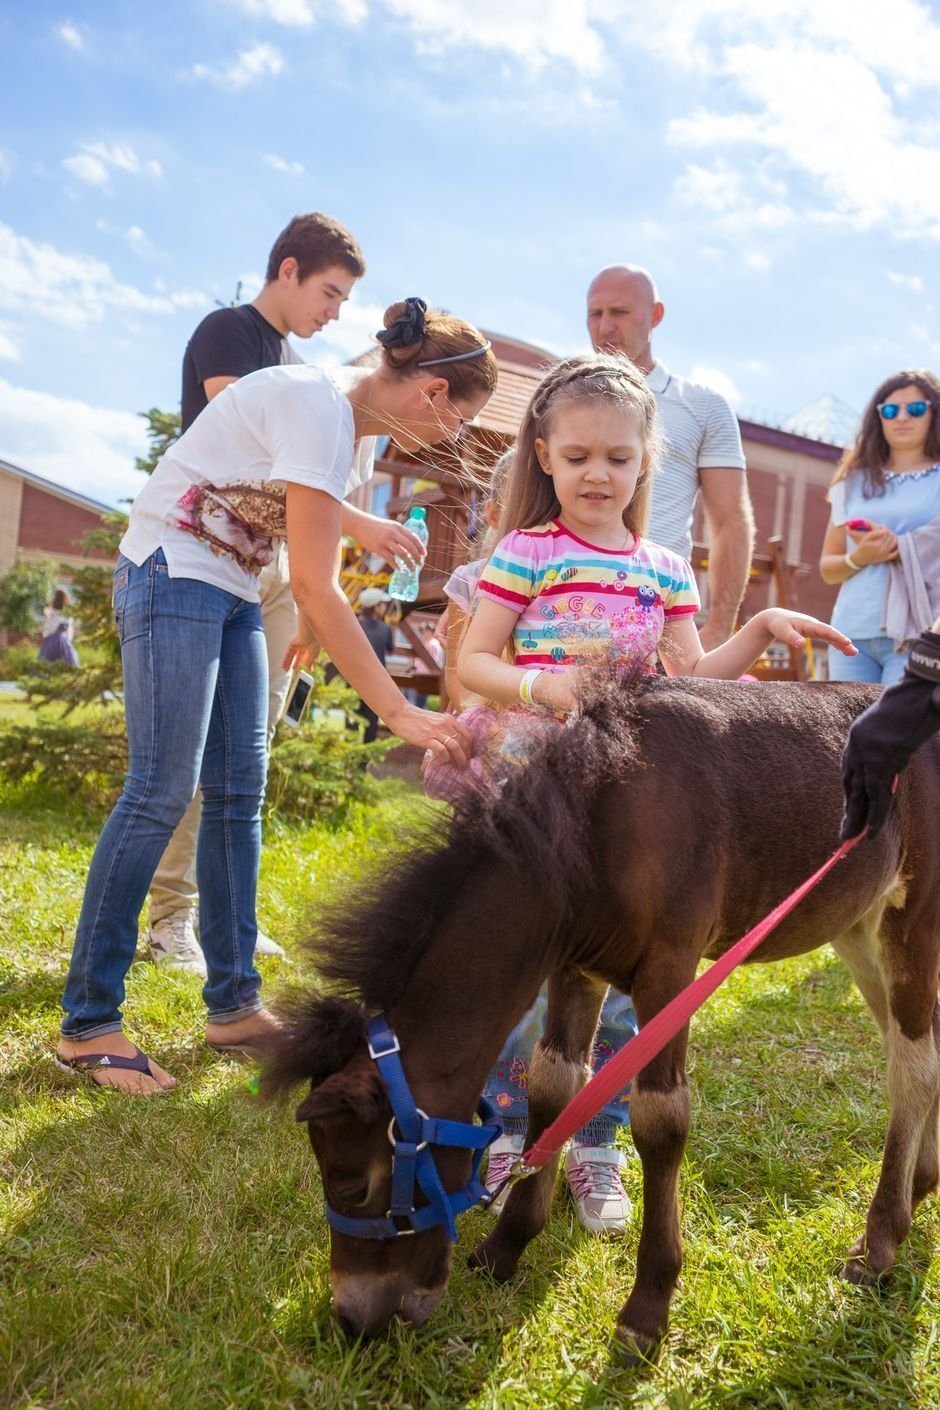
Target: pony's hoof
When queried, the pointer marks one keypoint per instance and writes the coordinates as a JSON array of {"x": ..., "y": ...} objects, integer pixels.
[
  {"x": 857, "y": 1270},
  {"x": 633, "y": 1348},
  {"x": 485, "y": 1259}
]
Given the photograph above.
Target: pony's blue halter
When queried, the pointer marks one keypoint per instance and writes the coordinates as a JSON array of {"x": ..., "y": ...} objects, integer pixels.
[{"x": 412, "y": 1161}]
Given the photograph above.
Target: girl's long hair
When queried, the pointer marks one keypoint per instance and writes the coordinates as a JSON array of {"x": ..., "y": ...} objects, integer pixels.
[
  {"x": 871, "y": 451},
  {"x": 530, "y": 493}
]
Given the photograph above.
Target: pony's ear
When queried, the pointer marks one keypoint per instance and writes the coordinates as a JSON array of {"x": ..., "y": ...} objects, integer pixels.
[{"x": 356, "y": 1091}]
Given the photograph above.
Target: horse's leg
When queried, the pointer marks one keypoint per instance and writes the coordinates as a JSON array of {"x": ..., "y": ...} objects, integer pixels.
[
  {"x": 909, "y": 1167},
  {"x": 560, "y": 1067},
  {"x": 659, "y": 1120}
]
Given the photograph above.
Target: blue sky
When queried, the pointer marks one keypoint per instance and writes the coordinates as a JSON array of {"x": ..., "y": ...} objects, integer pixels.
[{"x": 775, "y": 163}]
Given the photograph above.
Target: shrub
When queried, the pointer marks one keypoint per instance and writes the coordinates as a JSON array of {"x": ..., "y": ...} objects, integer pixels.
[
  {"x": 24, "y": 591},
  {"x": 16, "y": 660},
  {"x": 317, "y": 770}
]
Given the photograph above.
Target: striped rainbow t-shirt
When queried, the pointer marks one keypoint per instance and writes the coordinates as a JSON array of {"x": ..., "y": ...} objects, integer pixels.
[{"x": 577, "y": 602}]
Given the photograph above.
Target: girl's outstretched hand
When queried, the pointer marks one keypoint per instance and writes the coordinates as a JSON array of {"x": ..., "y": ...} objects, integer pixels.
[{"x": 792, "y": 628}]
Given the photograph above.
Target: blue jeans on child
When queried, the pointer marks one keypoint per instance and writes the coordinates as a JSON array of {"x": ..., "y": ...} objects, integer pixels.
[
  {"x": 195, "y": 697},
  {"x": 878, "y": 662},
  {"x": 507, "y": 1085}
]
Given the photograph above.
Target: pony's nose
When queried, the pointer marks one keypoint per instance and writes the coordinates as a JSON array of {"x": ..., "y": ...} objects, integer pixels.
[{"x": 365, "y": 1306}]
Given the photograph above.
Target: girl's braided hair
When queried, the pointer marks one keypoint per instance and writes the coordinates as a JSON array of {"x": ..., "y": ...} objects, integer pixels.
[{"x": 530, "y": 494}]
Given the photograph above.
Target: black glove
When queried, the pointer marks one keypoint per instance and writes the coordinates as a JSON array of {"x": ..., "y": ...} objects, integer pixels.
[{"x": 882, "y": 740}]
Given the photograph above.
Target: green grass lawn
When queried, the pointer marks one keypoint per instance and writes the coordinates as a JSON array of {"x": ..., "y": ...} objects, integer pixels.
[{"x": 173, "y": 1252}]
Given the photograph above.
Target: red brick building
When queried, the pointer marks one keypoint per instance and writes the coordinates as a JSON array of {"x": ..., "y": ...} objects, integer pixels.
[{"x": 40, "y": 520}]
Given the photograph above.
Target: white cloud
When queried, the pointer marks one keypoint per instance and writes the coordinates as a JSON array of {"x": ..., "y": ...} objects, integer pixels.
[
  {"x": 70, "y": 35},
  {"x": 281, "y": 164},
  {"x": 261, "y": 61},
  {"x": 718, "y": 381},
  {"x": 734, "y": 197},
  {"x": 756, "y": 259},
  {"x": 821, "y": 88},
  {"x": 534, "y": 31},
  {"x": 89, "y": 449},
  {"x": 95, "y": 161},
  {"x": 87, "y": 168},
  {"x": 301, "y": 13},
  {"x": 8, "y": 349},
  {"x": 907, "y": 281},
  {"x": 73, "y": 290}
]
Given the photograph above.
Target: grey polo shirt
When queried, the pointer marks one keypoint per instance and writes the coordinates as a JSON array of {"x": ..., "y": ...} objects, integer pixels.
[{"x": 699, "y": 430}]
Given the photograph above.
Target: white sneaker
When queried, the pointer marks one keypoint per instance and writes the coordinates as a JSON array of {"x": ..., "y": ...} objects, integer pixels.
[
  {"x": 264, "y": 945},
  {"x": 173, "y": 944},
  {"x": 503, "y": 1154},
  {"x": 593, "y": 1173}
]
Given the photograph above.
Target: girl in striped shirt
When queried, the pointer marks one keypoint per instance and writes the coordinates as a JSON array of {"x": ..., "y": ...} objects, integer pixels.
[{"x": 574, "y": 583}]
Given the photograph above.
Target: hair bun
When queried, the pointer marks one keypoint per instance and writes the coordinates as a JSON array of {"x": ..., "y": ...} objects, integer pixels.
[{"x": 404, "y": 324}]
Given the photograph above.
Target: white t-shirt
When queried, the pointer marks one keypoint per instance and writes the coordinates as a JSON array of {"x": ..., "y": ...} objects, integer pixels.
[
  {"x": 699, "y": 430},
  {"x": 216, "y": 503}
]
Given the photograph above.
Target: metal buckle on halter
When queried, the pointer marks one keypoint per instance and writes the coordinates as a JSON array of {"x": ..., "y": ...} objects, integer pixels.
[
  {"x": 399, "y": 1233},
  {"x": 517, "y": 1171},
  {"x": 393, "y": 1139},
  {"x": 384, "y": 1052}
]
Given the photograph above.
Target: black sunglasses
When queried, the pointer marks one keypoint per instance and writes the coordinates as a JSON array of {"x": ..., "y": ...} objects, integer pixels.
[{"x": 888, "y": 410}]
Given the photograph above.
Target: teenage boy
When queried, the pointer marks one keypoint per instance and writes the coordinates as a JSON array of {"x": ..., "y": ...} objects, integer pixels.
[{"x": 312, "y": 268}]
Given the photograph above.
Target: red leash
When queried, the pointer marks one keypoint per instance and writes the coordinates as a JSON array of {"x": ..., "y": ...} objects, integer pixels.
[{"x": 653, "y": 1036}]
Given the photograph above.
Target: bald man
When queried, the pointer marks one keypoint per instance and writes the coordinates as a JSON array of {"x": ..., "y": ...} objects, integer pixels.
[{"x": 702, "y": 451}]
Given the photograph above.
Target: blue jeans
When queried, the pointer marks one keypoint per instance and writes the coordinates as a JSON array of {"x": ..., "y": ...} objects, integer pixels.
[
  {"x": 195, "y": 697},
  {"x": 877, "y": 662},
  {"x": 507, "y": 1085}
]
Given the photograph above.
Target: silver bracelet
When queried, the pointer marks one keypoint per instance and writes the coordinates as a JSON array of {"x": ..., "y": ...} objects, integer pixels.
[{"x": 856, "y": 567}]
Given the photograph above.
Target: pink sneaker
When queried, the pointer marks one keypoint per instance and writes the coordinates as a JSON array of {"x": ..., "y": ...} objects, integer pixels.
[
  {"x": 503, "y": 1154},
  {"x": 593, "y": 1173}
]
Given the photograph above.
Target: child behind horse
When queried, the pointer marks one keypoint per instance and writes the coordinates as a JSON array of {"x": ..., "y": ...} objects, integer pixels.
[{"x": 573, "y": 586}]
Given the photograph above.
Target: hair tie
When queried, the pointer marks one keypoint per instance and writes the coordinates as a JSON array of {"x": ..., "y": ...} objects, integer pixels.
[{"x": 407, "y": 329}]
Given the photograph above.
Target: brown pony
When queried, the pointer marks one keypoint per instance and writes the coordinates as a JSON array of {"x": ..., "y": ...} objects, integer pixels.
[{"x": 654, "y": 831}]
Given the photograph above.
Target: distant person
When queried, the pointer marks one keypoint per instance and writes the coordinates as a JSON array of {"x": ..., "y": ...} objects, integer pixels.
[
  {"x": 371, "y": 612},
  {"x": 702, "y": 451},
  {"x": 882, "y": 545},
  {"x": 311, "y": 270},
  {"x": 58, "y": 631},
  {"x": 274, "y": 454}
]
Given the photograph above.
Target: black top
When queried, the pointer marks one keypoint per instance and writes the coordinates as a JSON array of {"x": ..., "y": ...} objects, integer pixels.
[
  {"x": 379, "y": 634},
  {"x": 231, "y": 342}
]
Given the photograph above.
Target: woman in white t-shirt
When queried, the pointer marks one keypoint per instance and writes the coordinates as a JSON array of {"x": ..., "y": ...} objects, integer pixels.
[{"x": 272, "y": 456}]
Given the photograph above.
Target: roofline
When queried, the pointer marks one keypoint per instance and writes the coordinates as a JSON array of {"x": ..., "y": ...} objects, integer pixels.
[
  {"x": 50, "y": 487},
  {"x": 776, "y": 436}
]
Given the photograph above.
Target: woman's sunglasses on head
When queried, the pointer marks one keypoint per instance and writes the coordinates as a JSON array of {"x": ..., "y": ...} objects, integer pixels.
[{"x": 888, "y": 410}]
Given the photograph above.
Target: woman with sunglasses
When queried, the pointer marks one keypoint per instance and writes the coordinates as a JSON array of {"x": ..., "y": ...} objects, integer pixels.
[{"x": 887, "y": 485}]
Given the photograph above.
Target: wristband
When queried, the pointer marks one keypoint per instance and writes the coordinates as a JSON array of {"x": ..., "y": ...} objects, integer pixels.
[
  {"x": 525, "y": 686},
  {"x": 857, "y": 567},
  {"x": 924, "y": 658}
]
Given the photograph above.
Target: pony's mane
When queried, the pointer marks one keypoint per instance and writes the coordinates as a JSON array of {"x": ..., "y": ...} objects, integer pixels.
[{"x": 366, "y": 947}]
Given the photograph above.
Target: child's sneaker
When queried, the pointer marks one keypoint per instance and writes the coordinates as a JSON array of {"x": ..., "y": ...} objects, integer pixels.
[
  {"x": 503, "y": 1154},
  {"x": 593, "y": 1173},
  {"x": 173, "y": 944}
]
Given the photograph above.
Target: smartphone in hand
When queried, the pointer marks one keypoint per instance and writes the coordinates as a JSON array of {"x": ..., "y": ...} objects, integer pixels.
[
  {"x": 297, "y": 699},
  {"x": 858, "y": 526}
]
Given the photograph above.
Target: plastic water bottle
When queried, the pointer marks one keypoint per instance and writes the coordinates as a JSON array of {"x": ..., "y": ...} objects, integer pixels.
[{"x": 404, "y": 580}]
